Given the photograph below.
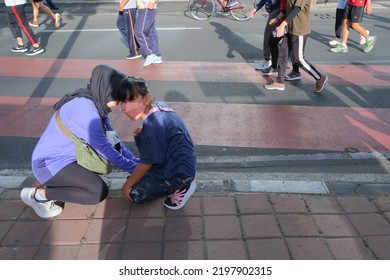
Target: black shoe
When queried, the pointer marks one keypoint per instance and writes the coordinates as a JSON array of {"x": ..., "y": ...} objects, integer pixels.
[
  {"x": 35, "y": 51},
  {"x": 54, "y": 7},
  {"x": 18, "y": 49}
]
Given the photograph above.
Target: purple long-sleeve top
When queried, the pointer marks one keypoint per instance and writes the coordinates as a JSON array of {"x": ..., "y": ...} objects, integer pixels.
[{"x": 55, "y": 150}]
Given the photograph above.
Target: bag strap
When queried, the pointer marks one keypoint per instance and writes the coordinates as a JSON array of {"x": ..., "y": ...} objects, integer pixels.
[{"x": 61, "y": 125}]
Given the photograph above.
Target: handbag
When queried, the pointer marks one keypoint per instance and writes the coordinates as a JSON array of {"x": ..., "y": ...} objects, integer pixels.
[{"x": 86, "y": 156}]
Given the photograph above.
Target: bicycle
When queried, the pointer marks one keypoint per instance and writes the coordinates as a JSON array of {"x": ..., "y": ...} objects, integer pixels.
[{"x": 204, "y": 9}]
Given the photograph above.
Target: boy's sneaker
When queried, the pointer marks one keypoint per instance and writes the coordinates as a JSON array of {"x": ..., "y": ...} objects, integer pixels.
[
  {"x": 362, "y": 40},
  {"x": 158, "y": 60},
  {"x": 57, "y": 20},
  {"x": 270, "y": 72},
  {"x": 129, "y": 57},
  {"x": 340, "y": 48},
  {"x": 19, "y": 49},
  {"x": 34, "y": 51},
  {"x": 262, "y": 65},
  {"x": 33, "y": 24},
  {"x": 293, "y": 76},
  {"x": 44, "y": 210},
  {"x": 321, "y": 83},
  {"x": 150, "y": 59},
  {"x": 274, "y": 85},
  {"x": 334, "y": 42},
  {"x": 370, "y": 44},
  {"x": 180, "y": 197}
]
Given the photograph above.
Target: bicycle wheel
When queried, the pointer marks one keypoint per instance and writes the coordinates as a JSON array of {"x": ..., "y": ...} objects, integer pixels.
[
  {"x": 201, "y": 9},
  {"x": 241, "y": 10}
]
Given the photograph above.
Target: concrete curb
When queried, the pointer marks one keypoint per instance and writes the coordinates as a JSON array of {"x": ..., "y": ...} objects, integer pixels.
[{"x": 221, "y": 182}]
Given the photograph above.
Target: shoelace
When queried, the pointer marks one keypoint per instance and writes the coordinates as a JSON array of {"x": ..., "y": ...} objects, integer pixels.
[{"x": 177, "y": 196}]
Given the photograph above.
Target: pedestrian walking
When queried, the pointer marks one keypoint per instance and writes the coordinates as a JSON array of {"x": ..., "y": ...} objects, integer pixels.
[
  {"x": 37, "y": 5},
  {"x": 167, "y": 152},
  {"x": 54, "y": 163},
  {"x": 353, "y": 16},
  {"x": 127, "y": 14},
  {"x": 145, "y": 31},
  {"x": 17, "y": 21},
  {"x": 270, "y": 46},
  {"x": 295, "y": 28}
]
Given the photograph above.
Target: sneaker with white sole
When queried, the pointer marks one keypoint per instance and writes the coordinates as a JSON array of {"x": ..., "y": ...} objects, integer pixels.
[
  {"x": 270, "y": 72},
  {"x": 340, "y": 48},
  {"x": 44, "y": 210},
  {"x": 57, "y": 20},
  {"x": 150, "y": 59},
  {"x": 321, "y": 83},
  {"x": 293, "y": 76},
  {"x": 158, "y": 60},
  {"x": 274, "y": 85},
  {"x": 370, "y": 44},
  {"x": 33, "y": 24},
  {"x": 180, "y": 197},
  {"x": 334, "y": 42},
  {"x": 130, "y": 57},
  {"x": 262, "y": 65},
  {"x": 362, "y": 40},
  {"x": 19, "y": 49},
  {"x": 34, "y": 51}
]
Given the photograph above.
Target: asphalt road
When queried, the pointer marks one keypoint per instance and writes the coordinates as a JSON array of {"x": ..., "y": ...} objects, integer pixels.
[{"x": 88, "y": 33}]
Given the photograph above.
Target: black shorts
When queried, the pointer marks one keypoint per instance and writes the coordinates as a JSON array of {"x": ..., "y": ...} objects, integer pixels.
[
  {"x": 36, "y": 1},
  {"x": 354, "y": 13}
]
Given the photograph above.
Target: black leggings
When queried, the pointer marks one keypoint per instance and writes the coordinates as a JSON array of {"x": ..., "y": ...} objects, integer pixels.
[{"x": 76, "y": 184}]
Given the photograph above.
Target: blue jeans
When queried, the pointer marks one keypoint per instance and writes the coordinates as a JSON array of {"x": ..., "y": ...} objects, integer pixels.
[{"x": 150, "y": 188}]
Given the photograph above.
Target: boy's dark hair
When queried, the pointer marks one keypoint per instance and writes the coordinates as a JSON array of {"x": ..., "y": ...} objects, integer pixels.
[{"x": 130, "y": 86}]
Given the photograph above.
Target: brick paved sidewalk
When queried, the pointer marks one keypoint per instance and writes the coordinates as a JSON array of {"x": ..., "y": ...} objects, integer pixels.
[{"x": 237, "y": 226}]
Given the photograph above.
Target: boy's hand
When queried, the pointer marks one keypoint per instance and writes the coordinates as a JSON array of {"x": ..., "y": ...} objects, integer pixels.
[{"x": 137, "y": 131}]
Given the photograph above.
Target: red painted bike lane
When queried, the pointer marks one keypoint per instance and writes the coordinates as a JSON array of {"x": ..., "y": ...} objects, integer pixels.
[{"x": 218, "y": 124}]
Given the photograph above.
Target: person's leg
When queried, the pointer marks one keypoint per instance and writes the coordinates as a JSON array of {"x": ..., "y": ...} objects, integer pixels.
[
  {"x": 153, "y": 36},
  {"x": 346, "y": 24},
  {"x": 129, "y": 17},
  {"x": 140, "y": 32},
  {"x": 283, "y": 58},
  {"x": 149, "y": 189},
  {"x": 35, "y": 6},
  {"x": 20, "y": 19},
  {"x": 268, "y": 34},
  {"x": 76, "y": 184},
  {"x": 356, "y": 18},
  {"x": 121, "y": 25},
  {"x": 339, "y": 22},
  {"x": 15, "y": 30},
  {"x": 298, "y": 50}
]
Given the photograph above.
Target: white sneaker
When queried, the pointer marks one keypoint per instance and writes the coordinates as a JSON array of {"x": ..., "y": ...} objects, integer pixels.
[
  {"x": 334, "y": 42},
  {"x": 150, "y": 59},
  {"x": 179, "y": 198},
  {"x": 158, "y": 60},
  {"x": 42, "y": 209},
  {"x": 262, "y": 65},
  {"x": 362, "y": 39},
  {"x": 57, "y": 20}
]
